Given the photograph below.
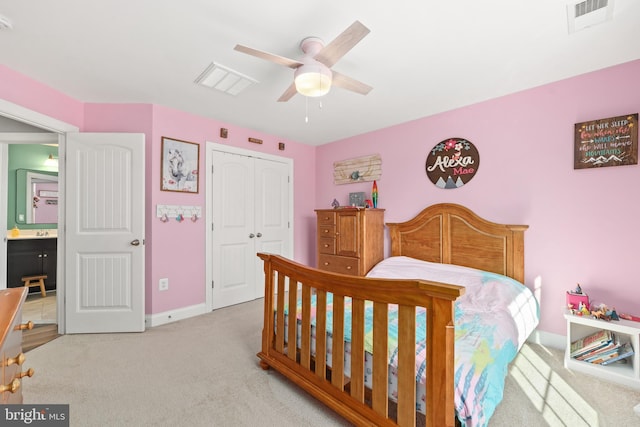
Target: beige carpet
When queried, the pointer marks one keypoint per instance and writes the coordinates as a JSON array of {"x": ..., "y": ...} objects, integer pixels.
[{"x": 203, "y": 372}]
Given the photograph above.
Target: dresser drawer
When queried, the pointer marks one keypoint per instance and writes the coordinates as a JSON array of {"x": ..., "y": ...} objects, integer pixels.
[
  {"x": 12, "y": 362},
  {"x": 326, "y": 231},
  {"x": 11, "y": 356},
  {"x": 339, "y": 264},
  {"x": 327, "y": 245},
  {"x": 326, "y": 218}
]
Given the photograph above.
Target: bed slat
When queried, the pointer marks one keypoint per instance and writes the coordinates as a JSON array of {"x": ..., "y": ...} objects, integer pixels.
[
  {"x": 406, "y": 365},
  {"x": 357, "y": 349},
  {"x": 380, "y": 395},
  {"x": 280, "y": 313},
  {"x": 305, "y": 345},
  {"x": 292, "y": 326},
  {"x": 321, "y": 333},
  {"x": 337, "y": 342}
]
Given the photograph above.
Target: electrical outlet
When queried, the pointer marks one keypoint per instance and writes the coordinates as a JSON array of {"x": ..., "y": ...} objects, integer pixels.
[{"x": 163, "y": 284}]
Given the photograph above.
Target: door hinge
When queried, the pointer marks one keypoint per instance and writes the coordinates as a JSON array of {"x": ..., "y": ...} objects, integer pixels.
[
  {"x": 212, "y": 284},
  {"x": 212, "y": 227},
  {"x": 212, "y": 169}
]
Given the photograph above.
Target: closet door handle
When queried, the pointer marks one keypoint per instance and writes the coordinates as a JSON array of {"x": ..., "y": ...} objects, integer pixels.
[
  {"x": 259, "y": 235},
  {"x": 135, "y": 242},
  {"x": 251, "y": 236}
]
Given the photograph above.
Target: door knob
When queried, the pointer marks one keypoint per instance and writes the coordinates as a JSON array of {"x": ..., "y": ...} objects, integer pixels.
[
  {"x": 251, "y": 236},
  {"x": 135, "y": 242},
  {"x": 259, "y": 235}
]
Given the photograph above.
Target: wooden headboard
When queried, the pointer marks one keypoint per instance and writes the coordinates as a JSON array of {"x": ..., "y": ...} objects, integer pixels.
[{"x": 452, "y": 234}]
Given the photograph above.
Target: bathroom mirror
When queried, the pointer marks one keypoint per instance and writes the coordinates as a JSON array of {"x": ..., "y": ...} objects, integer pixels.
[{"x": 36, "y": 197}]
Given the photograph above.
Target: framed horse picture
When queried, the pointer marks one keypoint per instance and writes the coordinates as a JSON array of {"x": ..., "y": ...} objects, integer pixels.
[{"x": 180, "y": 160}]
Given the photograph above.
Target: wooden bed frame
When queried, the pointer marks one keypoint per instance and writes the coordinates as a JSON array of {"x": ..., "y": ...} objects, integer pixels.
[{"x": 444, "y": 233}]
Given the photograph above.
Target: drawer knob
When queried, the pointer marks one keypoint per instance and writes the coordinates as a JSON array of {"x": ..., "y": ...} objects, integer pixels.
[
  {"x": 326, "y": 246},
  {"x": 348, "y": 267},
  {"x": 23, "y": 326},
  {"x": 18, "y": 360},
  {"x": 28, "y": 373},
  {"x": 326, "y": 263},
  {"x": 12, "y": 387}
]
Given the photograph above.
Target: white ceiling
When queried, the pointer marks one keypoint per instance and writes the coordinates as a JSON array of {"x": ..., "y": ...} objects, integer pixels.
[{"x": 422, "y": 57}]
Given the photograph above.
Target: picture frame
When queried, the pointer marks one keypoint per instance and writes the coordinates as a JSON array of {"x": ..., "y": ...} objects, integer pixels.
[{"x": 180, "y": 163}]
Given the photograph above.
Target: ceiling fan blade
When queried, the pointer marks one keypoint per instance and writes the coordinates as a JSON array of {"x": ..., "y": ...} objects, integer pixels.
[
  {"x": 268, "y": 56},
  {"x": 345, "y": 82},
  {"x": 342, "y": 44},
  {"x": 288, "y": 94}
]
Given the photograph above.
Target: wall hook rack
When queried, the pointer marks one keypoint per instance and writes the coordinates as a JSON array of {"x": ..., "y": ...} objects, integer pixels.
[{"x": 178, "y": 212}]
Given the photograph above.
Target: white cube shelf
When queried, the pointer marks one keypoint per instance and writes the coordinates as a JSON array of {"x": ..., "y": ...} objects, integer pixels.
[{"x": 627, "y": 331}]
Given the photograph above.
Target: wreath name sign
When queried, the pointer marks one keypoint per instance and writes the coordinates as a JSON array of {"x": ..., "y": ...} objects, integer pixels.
[{"x": 452, "y": 163}]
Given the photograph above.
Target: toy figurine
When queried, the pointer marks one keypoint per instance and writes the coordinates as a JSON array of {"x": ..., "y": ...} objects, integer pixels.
[
  {"x": 582, "y": 308},
  {"x": 578, "y": 289}
]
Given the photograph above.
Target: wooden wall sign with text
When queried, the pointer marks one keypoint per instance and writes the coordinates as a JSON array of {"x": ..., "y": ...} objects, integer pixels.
[
  {"x": 452, "y": 163},
  {"x": 606, "y": 142}
]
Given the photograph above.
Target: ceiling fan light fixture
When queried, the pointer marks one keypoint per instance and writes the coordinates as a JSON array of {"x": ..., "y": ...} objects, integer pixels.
[{"x": 313, "y": 80}]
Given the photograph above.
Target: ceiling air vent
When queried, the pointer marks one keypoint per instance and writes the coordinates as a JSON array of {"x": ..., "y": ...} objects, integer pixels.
[
  {"x": 224, "y": 79},
  {"x": 587, "y": 13}
]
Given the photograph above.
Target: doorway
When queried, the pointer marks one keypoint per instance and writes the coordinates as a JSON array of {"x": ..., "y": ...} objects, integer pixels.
[
  {"x": 31, "y": 214},
  {"x": 46, "y": 130}
]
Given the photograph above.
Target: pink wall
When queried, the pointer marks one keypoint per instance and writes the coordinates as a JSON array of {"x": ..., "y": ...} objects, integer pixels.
[
  {"x": 177, "y": 250},
  {"x": 29, "y": 93},
  {"x": 582, "y": 222}
]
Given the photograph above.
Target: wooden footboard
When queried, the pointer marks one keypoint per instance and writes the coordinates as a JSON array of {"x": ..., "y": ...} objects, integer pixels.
[{"x": 287, "y": 281}]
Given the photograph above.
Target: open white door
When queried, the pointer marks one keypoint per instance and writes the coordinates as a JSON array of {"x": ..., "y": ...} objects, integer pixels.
[{"x": 104, "y": 225}]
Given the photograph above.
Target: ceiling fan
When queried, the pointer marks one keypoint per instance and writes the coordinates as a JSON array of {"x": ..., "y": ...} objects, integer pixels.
[{"x": 313, "y": 75}]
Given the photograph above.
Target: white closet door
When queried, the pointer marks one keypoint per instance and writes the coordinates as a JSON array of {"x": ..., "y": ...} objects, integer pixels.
[
  {"x": 271, "y": 214},
  {"x": 233, "y": 232},
  {"x": 250, "y": 212}
]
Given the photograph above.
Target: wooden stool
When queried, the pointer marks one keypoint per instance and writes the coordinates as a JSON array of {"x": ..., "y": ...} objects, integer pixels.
[{"x": 36, "y": 281}]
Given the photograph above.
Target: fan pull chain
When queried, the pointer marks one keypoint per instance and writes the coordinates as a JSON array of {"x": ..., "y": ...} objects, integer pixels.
[{"x": 306, "y": 109}]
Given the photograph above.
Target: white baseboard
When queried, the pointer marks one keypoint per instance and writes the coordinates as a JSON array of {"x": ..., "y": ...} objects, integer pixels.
[
  {"x": 548, "y": 339},
  {"x": 157, "y": 319}
]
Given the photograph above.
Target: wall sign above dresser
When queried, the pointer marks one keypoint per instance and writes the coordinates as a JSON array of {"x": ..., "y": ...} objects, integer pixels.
[
  {"x": 452, "y": 163},
  {"x": 361, "y": 169}
]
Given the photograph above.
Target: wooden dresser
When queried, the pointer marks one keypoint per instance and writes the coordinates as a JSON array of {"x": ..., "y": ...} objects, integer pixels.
[
  {"x": 11, "y": 327},
  {"x": 350, "y": 240}
]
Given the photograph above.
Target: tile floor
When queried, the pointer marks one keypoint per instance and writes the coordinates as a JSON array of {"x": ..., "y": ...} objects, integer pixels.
[{"x": 40, "y": 310}]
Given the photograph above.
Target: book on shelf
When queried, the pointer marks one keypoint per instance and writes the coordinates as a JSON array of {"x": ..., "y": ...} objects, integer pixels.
[
  {"x": 625, "y": 351},
  {"x": 598, "y": 351},
  {"x": 600, "y": 358},
  {"x": 596, "y": 340}
]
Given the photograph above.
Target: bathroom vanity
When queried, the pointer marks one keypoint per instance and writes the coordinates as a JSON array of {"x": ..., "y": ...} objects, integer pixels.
[{"x": 32, "y": 254}]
